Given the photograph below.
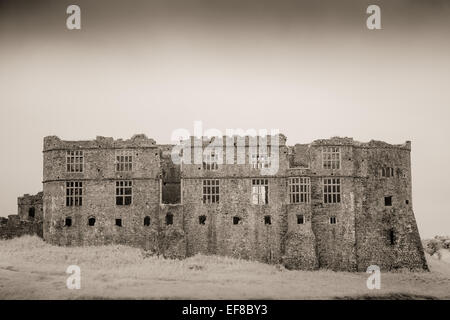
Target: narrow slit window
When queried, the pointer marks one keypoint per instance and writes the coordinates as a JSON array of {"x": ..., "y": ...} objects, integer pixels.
[
  {"x": 333, "y": 220},
  {"x": 169, "y": 219},
  {"x": 391, "y": 236}
]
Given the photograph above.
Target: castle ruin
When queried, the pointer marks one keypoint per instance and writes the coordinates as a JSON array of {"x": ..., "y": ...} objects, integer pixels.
[{"x": 334, "y": 203}]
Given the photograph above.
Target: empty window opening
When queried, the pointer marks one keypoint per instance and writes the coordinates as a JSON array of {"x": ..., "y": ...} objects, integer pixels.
[
  {"x": 300, "y": 219},
  {"x": 202, "y": 219},
  {"x": 332, "y": 220},
  {"x": 387, "y": 172},
  {"x": 91, "y": 221},
  {"x": 332, "y": 190},
  {"x": 124, "y": 193},
  {"x": 267, "y": 220},
  {"x": 74, "y": 193},
  {"x": 210, "y": 161},
  {"x": 260, "y": 158},
  {"x": 68, "y": 222},
  {"x": 31, "y": 212},
  {"x": 331, "y": 157},
  {"x": 407, "y": 201},
  {"x": 147, "y": 221},
  {"x": 169, "y": 219},
  {"x": 119, "y": 222},
  {"x": 391, "y": 236},
  {"x": 124, "y": 160},
  {"x": 74, "y": 161},
  {"x": 260, "y": 191},
  {"x": 388, "y": 201},
  {"x": 236, "y": 220},
  {"x": 299, "y": 190},
  {"x": 211, "y": 191}
]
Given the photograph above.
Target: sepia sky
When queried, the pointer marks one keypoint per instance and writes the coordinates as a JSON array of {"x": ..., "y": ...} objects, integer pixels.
[{"x": 308, "y": 68}]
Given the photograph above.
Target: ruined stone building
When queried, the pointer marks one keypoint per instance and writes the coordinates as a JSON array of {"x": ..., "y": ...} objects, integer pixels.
[
  {"x": 28, "y": 219},
  {"x": 334, "y": 203}
]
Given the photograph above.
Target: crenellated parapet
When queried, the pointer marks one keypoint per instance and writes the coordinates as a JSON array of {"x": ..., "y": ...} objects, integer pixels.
[{"x": 136, "y": 141}]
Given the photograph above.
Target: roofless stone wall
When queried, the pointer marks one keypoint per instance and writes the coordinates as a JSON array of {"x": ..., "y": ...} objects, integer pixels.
[
  {"x": 334, "y": 203},
  {"x": 27, "y": 221}
]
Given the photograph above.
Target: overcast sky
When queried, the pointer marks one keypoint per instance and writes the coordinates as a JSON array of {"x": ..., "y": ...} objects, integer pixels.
[{"x": 312, "y": 70}]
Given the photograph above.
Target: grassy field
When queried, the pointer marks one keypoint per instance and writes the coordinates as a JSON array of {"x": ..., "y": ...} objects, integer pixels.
[{"x": 33, "y": 269}]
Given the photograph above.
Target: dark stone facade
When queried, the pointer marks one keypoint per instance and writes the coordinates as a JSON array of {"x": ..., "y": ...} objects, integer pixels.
[
  {"x": 167, "y": 215},
  {"x": 29, "y": 219}
]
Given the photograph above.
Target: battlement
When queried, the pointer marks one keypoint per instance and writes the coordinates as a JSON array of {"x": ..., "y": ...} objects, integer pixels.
[
  {"x": 136, "y": 141},
  {"x": 346, "y": 141},
  {"x": 28, "y": 199},
  {"x": 236, "y": 140}
]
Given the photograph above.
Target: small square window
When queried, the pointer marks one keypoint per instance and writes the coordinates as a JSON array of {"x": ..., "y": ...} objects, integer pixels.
[
  {"x": 267, "y": 220},
  {"x": 388, "y": 201},
  {"x": 119, "y": 222},
  {"x": 236, "y": 220},
  {"x": 91, "y": 221},
  {"x": 68, "y": 222},
  {"x": 300, "y": 219},
  {"x": 202, "y": 219}
]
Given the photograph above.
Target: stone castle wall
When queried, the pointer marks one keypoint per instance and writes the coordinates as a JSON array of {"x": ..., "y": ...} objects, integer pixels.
[
  {"x": 28, "y": 220},
  {"x": 181, "y": 225}
]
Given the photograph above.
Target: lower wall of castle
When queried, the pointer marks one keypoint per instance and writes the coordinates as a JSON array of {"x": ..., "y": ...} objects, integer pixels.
[
  {"x": 14, "y": 227},
  {"x": 357, "y": 240}
]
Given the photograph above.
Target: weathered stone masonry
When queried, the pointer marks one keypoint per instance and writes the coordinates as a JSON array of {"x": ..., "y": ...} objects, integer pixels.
[
  {"x": 354, "y": 208},
  {"x": 28, "y": 219}
]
